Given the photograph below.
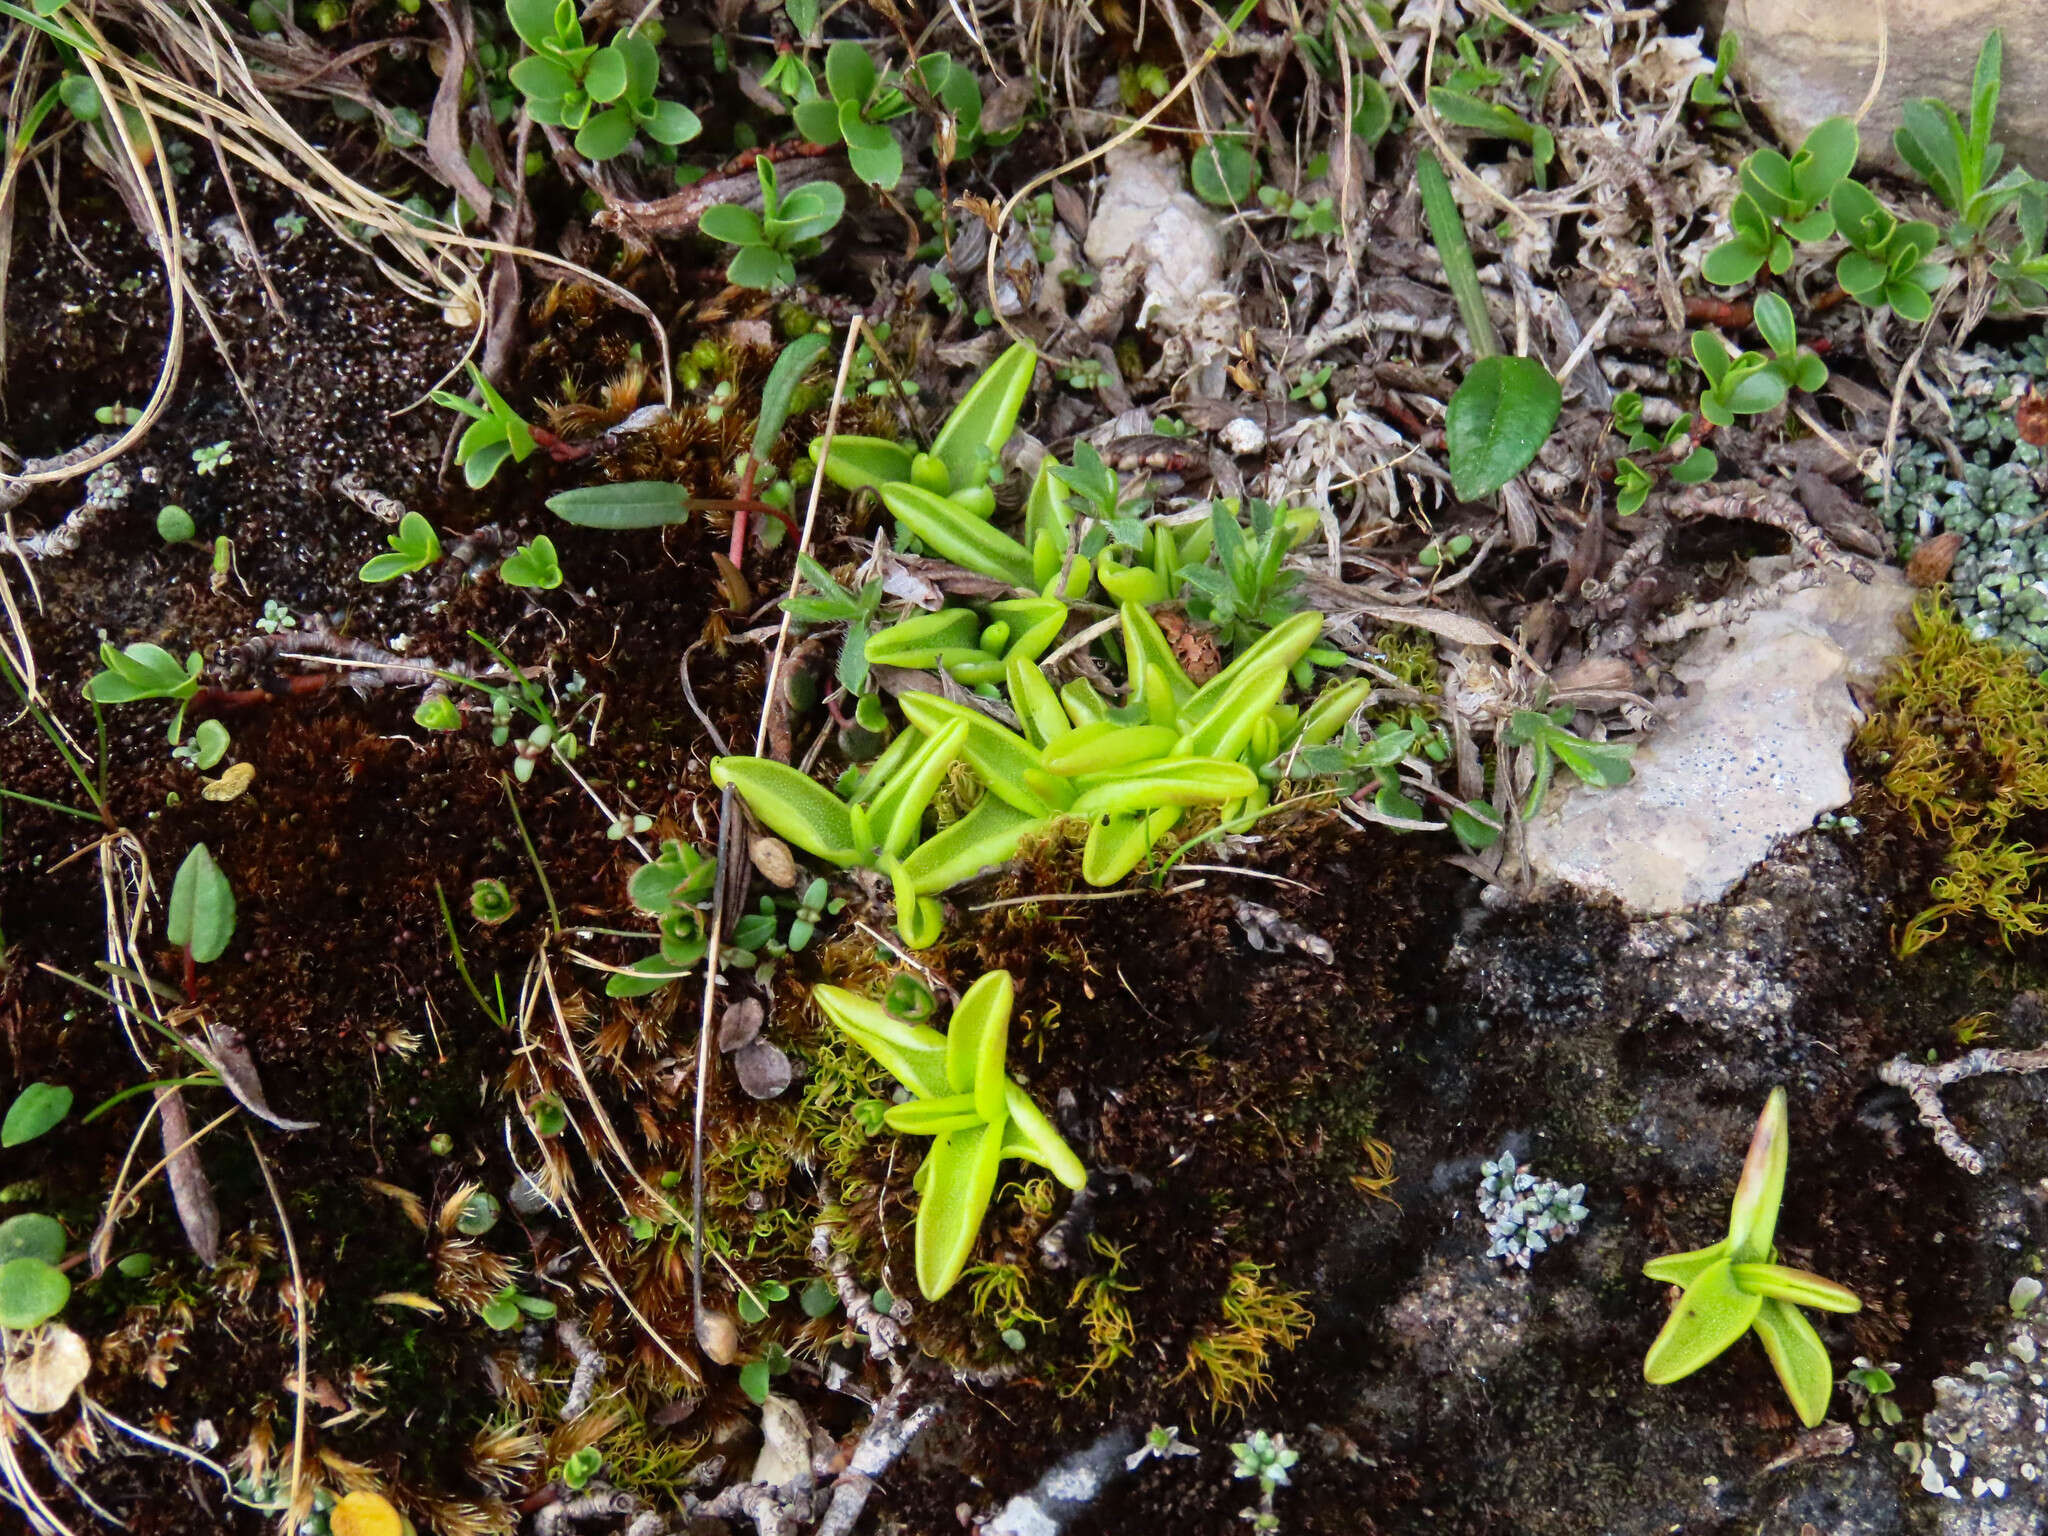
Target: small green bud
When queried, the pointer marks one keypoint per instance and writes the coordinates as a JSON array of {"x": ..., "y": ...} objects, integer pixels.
[{"x": 174, "y": 525}]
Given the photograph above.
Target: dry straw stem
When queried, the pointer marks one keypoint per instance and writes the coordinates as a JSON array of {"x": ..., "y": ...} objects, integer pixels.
[{"x": 299, "y": 1498}]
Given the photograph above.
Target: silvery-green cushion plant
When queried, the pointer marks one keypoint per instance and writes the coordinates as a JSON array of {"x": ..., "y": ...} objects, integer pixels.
[
  {"x": 1737, "y": 1284},
  {"x": 962, "y": 1097}
]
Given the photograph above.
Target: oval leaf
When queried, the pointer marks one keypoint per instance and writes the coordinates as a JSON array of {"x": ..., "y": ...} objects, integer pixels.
[
  {"x": 35, "y": 1110},
  {"x": 31, "y": 1293},
  {"x": 202, "y": 911},
  {"x": 1496, "y": 421},
  {"x": 629, "y": 504}
]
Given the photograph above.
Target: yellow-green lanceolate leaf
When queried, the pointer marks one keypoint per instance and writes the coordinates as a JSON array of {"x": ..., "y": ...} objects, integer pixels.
[
  {"x": 1753, "y": 1218},
  {"x": 1683, "y": 1268},
  {"x": 978, "y": 1039},
  {"x": 956, "y": 534},
  {"x": 894, "y": 817},
  {"x": 986, "y": 836},
  {"x": 1712, "y": 1314},
  {"x": 1798, "y": 1286},
  {"x": 1116, "y": 844},
  {"x": 972, "y": 439},
  {"x": 997, "y": 754},
  {"x": 1150, "y": 786},
  {"x": 856, "y": 463},
  {"x": 1031, "y": 1136},
  {"x": 792, "y": 804},
  {"x": 911, "y": 1053},
  {"x": 933, "y": 1117},
  {"x": 1799, "y": 1357},
  {"x": 960, "y": 1179}
]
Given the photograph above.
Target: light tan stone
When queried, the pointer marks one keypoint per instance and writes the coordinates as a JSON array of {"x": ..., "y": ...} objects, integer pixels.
[{"x": 1803, "y": 60}]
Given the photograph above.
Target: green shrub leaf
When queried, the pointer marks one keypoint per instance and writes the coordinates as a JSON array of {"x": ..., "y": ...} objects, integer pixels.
[{"x": 1497, "y": 419}]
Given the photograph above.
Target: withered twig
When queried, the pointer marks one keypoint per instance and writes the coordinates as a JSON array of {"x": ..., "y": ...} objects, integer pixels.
[
  {"x": 888, "y": 1436},
  {"x": 1747, "y": 500},
  {"x": 1923, "y": 1084},
  {"x": 884, "y": 1331}
]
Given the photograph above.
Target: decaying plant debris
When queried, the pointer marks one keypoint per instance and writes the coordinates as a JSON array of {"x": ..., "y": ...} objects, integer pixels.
[{"x": 428, "y": 1185}]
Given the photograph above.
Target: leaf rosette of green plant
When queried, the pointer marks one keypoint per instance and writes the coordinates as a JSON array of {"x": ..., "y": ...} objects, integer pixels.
[
  {"x": 964, "y": 1099},
  {"x": 496, "y": 433},
  {"x": 145, "y": 670},
  {"x": 861, "y": 100},
  {"x": 1749, "y": 383},
  {"x": 1782, "y": 201},
  {"x": 786, "y": 227},
  {"x": 1131, "y": 771},
  {"x": 1959, "y": 162},
  {"x": 604, "y": 94},
  {"x": 1737, "y": 1285},
  {"x": 1633, "y": 482},
  {"x": 673, "y": 888},
  {"x": 414, "y": 547},
  {"x": 1597, "y": 764},
  {"x": 1886, "y": 263}
]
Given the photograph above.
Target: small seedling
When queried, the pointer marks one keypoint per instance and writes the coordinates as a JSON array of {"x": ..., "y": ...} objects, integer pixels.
[
  {"x": 830, "y": 603},
  {"x": 213, "y": 457},
  {"x": 1224, "y": 171},
  {"x": 437, "y": 712},
  {"x": 414, "y": 547},
  {"x": 1312, "y": 386},
  {"x": 532, "y": 565},
  {"x": 1783, "y": 201},
  {"x": 1710, "y": 90},
  {"x": 1162, "y": 1441},
  {"x": 1886, "y": 263},
  {"x": 1499, "y": 416},
  {"x": 276, "y": 617},
  {"x": 491, "y": 903},
  {"x": 1633, "y": 482},
  {"x": 479, "y": 1213},
  {"x": 496, "y": 432},
  {"x": 566, "y": 82},
  {"x": 1266, "y": 1457},
  {"x": 1242, "y": 590},
  {"x": 1737, "y": 1285},
  {"x": 174, "y": 525},
  {"x": 963, "y": 1098},
  {"x": 209, "y": 744},
  {"x": 1307, "y": 221},
  {"x": 755, "y": 1301},
  {"x": 504, "y": 1310},
  {"x": 770, "y": 241},
  {"x": 145, "y": 671},
  {"x": 861, "y": 100},
  {"x": 674, "y": 889},
  {"x": 581, "y": 1466},
  {"x": 1602, "y": 764}
]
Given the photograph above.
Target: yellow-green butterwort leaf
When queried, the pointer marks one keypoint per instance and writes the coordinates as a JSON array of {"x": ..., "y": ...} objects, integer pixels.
[
  {"x": 1048, "y": 520},
  {"x": 856, "y": 463},
  {"x": 933, "y": 1117},
  {"x": 995, "y": 752},
  {"x": 792, "y": 805},
  {"x": 1684, "y": 1268},
  {"x": 1105, "y": 747},
  {"x": 919, "y": 919},
  {"x": 913, "y": 1054},
  {"x": 971, "y": 441},
  {"x": 977, "y": 1040},
  {"x": 1282, "y": 646},
  {"x": 960, "y": 1179},
  {"x": 956, "y": 534},
  {"x": 1753, "y": 1218},
  {"x": 1032, "y": 1137},
  {"x": 1226, "y": 729},
  {"x": 1037, "y": 706},
  {"x": 1799, "y": 1357},
  {"x": 1138, "y": 584},
  {"x": 1116, "y": 844},
  {"x": 921, "y": 639},
  {"x": 1800, "y": 1287},
  {"x": 1145, "y": 648},
  {"x": 883, "y": 770},
  {"x": 1183, "y": 781},
  {"x": 1712, "y": 1314},
  {"x": 1035, "y": 622},
  {"x": 986, "y": 836},
  {"x": 1082, "y": 703},
  {"x": 897, "y": 812},
  {"x": 1331, "y": 710}
]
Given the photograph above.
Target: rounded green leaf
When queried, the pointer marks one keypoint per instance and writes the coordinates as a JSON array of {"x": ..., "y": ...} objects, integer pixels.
[
  {"x": 1775, "y": 324},
  {"x": 1497, "y": 419},
  {"x": 542, "y": 79},
  {"x": 643, "y": 68},
  {"x": 1223, "y": 171},
  {"x": 1372, "y": 110},
  {"x": 756, "y": 266},
  {"x": 732, "y": 224},
  {"x": 1731, "y": 264},
  {"x": 31, "y": 1235},
  {"x": 817, "y": 121},
  {"x": 850, "y": 74},
  {"x": 670, "y": 122},
  {"x": 605, "y": 135},
  {"x": 35, "y": 1110},
  {"x": 605, "y": 80},
  {"x": 31, "y": 1293},
  {"x": 1827, "y": 155}
]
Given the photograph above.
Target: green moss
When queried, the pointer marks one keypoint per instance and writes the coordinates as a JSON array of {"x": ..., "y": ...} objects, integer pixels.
[
  {"x": 1961, "y": 734},
  {"x": 1228, "y": 1360}
]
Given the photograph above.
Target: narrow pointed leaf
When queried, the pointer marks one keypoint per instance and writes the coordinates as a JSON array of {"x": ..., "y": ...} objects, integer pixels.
[
  {"x": 1799, "y": 1357},
  {"x": 856, "y": 463},
  {"x": 911, "y": 1053},
  {"x": 919, "y": 641},
  {"x": 956, "y": 534},
  {"x": 1800, "y": 1287},
  {"x": 1282, "y": 646},
  {"x": 933, "y": 1117},
  {"x": 1031, "y": 1136},
  {"x": 1684, "y": 1268},
  {"x": 1145, "y": 642},
  {"x": 977, "y": 1040},
  {"x": 1106, "y": 747},
  {"x": 1712, "y": 1314},
  {"x": 1227, "y": 728},
  {"x": 1037, "y": 706},
  {"x": 1150, "y": 786},
  {"x": 973, "y": 437},
  {"x": 1753, "y": 1218}
]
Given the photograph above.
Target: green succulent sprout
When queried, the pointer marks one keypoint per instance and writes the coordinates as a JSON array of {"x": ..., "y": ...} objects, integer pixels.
[
  {"x": 1132, "y": 771},
  {"x": 862, "y": 99},
  {"x": 1737, "y": 1285},
  {"x": 963, "y": 1098}
]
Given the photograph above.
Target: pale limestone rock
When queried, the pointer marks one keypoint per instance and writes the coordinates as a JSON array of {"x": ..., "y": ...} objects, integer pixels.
[
  {"x": 1752, "y": 753},
  {"x": 1804, "y": 60},
  {"x": 1146, "y": 216}
]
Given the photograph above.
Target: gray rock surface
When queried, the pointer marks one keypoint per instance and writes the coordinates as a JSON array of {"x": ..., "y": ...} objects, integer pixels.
[
  {"x": 1752, "y": 753},
  {"x": 1804, "y": 60}
]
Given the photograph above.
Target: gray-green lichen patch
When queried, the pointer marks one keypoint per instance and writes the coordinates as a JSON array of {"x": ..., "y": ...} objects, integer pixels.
[{"x": 1982, "y": 482}]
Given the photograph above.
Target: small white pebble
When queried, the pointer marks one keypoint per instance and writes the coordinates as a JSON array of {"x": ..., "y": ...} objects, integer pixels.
[
  {"x": 1930, "y": 1476},
  {"x": 1978, "y": 1487},
  {"x": 1997, "y": 1487},
  {"x": 1956, "y": 1462}
]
